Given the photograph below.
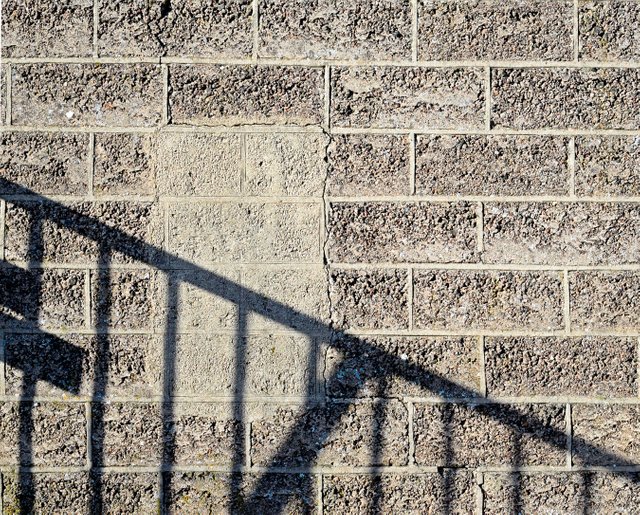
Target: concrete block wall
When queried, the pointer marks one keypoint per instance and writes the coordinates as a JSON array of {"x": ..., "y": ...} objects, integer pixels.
[{"x": 320, "y": 256}]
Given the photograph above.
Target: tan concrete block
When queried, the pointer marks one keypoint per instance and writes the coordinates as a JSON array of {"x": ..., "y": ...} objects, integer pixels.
[
  {"x": 609, "y": 30},
  {"x": 74, "y": 232},
  {"x": 368, "y": 164},
  {"x": 442, "y": 492},
  {"x": 249, "y": 232},
  {"x": 331, "y": 435},
  {"x": 58, "y": 434},
  {"x": 556, "y": 98},
  {"x": 490, "y": 29},
  {"x": 577, "y": 492},
  {"x": 33, "y": 28},
  {"x": 603, "y": 301},
  {"x": 589, "y": 366},
  {"x": 607, "y": 166},
  {"x": 572, "y": 233},
  {"x": 47, "y": 163},
  {"x": 65, "y": 365},
  {"x": 456, "y": 435},
  {"x": 373, "y": 299},
  {"x": 184, "y": 29},
  {"x": 243, "y": 94},
  {"x": 407, "y": 97},
  {"x": 123, "y": 164},
  {"x": 491, "y": 165},
  {"x": 121, "y": 95},
  {"x": 335, "y": 29},
  {"x": 286, "y": 164},
  {"x": 286, "y": 298},
  {"x": 413, "y": 232},
  {"x": 605, "y": 434},
  {"x": 490, "y": 300},
  {"x": 206, "y": 165},
  {"x": 448, "y": 366}
]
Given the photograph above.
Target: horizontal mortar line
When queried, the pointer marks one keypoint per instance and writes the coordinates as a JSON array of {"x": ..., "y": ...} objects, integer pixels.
[
  {"x": 167, "y": 267},
  {"x": 159, "y": 332},
  {"x": 523, "y": 267},
  {"x": 275, "y": 61},
  {"x": 456, "y": 332},
  {"x": 325, "y": 470},
  {"x": 316, "y": 129},
  {"x": 281, "y": 199},
  {"x": 213, "y": 129},
  {"x": 524, "y": 399},
  {"x": 482, "y": 198},
  {"x": 426, "y": 131}
]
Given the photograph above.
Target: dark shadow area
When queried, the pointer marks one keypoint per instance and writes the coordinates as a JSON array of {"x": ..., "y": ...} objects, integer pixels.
[{"x": 298, "y": 449}]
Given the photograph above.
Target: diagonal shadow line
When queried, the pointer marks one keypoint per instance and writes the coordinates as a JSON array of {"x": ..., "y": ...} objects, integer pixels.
[{"x": 277, "y": 311}]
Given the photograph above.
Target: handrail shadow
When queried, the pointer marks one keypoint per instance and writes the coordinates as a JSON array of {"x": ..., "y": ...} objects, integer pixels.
[{"x": 111, "y": 239}]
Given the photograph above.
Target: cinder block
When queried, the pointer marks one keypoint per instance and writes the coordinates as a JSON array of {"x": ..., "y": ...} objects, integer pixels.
[
  {"x": 269, "y": 365},
  {"x": 605, "y": 434},
  {"x": 198, "y": 164},
  {"x": 203, "y": 301},
  {"x": 124, "y": 299},
  {"x": 65, "y": 365},
  {"x": 491, "y": 165},
  {"x": 589, "y": 366},
  {"x": 413, "y": 232},
  {"x": 335, "y": 29},
  {"x": 183, "y": 29},
  {"x": 121, "y": 95},
  {"x": 407, "y": 97},
  {"x": 46, "y": 163},
  {"x": 554, "y": 98},
  {"x": 446, "y": 491},
  {"x": 135, "y": 434},
  {"x": 249, "y": 232},
  {"x": 286, "y": 164},
  {"x": 494, "y": 30},
  {"x": 57, "y": 435},
  {"x": 602, "y": 301},
  {"x": 46, "y": 299},
  {"x": 609, "y": 30},
  {"x": 73, "y": 492},
  {"x": 349, "y": 434},
  {"x": 561, "y": 492},
  {"x": 123, "y": 164},
  {"x": 368, "y": 164},
  {"x": 489, "y": 300},
  {"x": 414, "y": 366},
  {"x": 33, "y": 28},
  {"x": 457, "y": 435},
  {"x": 286, "y": 298},
  {"x": 244, "y": 94},
  {"x": 369, "y": 299},
  {"x": 607, "y": 166},
  {"x": 3, "y": 101},
  {"x": 214, "y": 492},
  {"x": 78, "y": 232},
  {"x": 571, "y": 233}
]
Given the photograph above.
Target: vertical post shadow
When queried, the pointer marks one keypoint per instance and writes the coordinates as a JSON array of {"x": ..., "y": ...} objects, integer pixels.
[
  {"x": 101, "y": 312},
  {"x": 240, "y": 450},
  {"x": 169, "y": 367},
  {"x": 448, "y": 414},
  {"x": 25, "y": 434},
  {"x": 377, "y": 423}
]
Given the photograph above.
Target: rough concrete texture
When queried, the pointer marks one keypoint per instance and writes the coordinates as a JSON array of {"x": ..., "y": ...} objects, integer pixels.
[
  {"x": 370, "y": 232},
  {"x": 561, "y": 233},
  {"x": 607, "y": 166},
  {"x": 507, "y": 300},
  {"x": 562, "y": 492},
  {"x": 452, "y": 435},
  {"x": 319, "y": 256},
  {"x": 490, "y": 29},
  {"x": 158, "y": 28},
  {"x": 491, "y": 165},
  {"x": 552, "y": 366}
]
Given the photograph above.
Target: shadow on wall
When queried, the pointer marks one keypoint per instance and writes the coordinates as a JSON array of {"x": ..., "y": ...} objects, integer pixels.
[{"x": 62, "y": 365}]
